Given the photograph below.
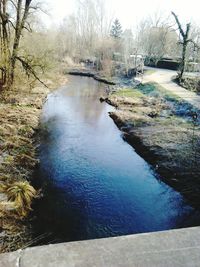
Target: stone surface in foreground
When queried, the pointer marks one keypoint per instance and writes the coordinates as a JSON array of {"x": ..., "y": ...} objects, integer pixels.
[{"x": 169, "y": 248}]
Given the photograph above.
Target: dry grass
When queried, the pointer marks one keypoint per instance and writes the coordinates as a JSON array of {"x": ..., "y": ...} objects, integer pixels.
[
  {"x": 136, "y": 108},
  {"x": 20, "y": 109},
  {"x": 19, "y": 118},
  {"x": 18, "y": 125},
  {"x": 168, "y": 141},
  {"x": 19, "y": 197}
]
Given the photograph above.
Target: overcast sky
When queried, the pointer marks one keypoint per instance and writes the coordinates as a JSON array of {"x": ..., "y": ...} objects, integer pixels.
[{"x": 131, "y": 12}]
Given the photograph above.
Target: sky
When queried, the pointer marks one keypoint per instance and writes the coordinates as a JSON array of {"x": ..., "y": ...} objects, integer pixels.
[{"x": 130, "y": 12}]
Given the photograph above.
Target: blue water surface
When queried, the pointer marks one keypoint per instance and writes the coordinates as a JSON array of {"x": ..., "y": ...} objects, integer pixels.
[{"x": 95, "y": 184}]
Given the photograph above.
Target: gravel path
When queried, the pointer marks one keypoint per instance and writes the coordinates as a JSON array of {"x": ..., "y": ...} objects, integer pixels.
[{"x": 164, "y": 78}]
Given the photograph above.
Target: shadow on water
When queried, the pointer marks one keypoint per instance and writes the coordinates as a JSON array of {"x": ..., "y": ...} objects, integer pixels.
[{"x": 94, "y": 184}]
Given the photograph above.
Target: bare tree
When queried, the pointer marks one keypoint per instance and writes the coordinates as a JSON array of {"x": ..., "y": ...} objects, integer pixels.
[
  {"x": 86, "y": 34},
  {"x": 4, "y": 36},
  {"x": 13, "y": 21},
  {"x": 128, "y": 48},
  {"x": 155, "y": 38},
  {"x": 185, "y": 40},
  {"x": 22, "y": 12}
]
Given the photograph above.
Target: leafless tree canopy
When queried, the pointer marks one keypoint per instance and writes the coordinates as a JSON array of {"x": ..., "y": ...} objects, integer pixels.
[
  {"x": 86, "y": 35},
  {"x": 14, "y": 21}
]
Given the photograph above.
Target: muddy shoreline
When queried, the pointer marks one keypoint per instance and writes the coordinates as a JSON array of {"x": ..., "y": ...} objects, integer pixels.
[
  {"x": 19, "y": 139},
  {"x": 18, "y": 159},
  {"x": 87, "y": 73},
  {"x": 170, "y": 144},
  {"x": 180, "y": 172}
]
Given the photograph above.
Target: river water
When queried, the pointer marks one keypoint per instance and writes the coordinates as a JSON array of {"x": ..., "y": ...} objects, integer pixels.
[{"x": 95, "y": 184}]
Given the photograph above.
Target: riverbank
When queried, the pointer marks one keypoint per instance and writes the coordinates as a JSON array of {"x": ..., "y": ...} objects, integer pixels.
[
  {"x": 19, "y": 121},
  {"x": 93, "y": 74},
  {"x": 165, "y": 131},
  {"x": 166, "y": 79},
  {"x": 190, "y": 83}
]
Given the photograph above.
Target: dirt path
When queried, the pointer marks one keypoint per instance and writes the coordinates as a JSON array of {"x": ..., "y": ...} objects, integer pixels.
[{"x": 164, "y": 78}]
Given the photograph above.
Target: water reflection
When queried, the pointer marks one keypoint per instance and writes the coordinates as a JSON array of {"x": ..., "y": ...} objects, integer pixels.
[{"x": 95, "y": 184}]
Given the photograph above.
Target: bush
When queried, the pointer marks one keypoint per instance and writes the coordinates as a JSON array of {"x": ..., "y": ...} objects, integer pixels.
[{"x": 21, "y": 195}]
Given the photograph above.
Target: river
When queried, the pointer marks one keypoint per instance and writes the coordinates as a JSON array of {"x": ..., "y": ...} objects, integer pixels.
[{"x": 94, "y": 184}]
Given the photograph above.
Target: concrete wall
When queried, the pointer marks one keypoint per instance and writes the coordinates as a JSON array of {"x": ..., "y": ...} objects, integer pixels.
[{"x": 164, "y": 249}]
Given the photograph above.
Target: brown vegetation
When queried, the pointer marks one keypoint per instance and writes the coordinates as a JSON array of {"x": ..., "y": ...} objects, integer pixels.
[
  {"x": 191, "y": 83},
  {"x": 19, "y": 120},
  {"x": 167, "y": 141},
  {"x": 19, "y": 117},
  {"x": 84, "y": 38}
]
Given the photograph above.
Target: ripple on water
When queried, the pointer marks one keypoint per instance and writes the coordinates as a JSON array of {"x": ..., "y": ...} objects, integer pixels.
[{"x": 95, "y": 184}]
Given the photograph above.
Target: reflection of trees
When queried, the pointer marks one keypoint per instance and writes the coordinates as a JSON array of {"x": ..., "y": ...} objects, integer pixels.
[
  {"x": 182, "y": 213},
  {"x": 83, "y": 101}
]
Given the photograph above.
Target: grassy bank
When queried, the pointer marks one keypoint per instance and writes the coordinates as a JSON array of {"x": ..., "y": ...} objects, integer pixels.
[
  {"x": 20, "y": 110},
  {"x": 191, "y": 83},
  {"x": 163, "y": 129},
  {"x": 98, "y": 76}
]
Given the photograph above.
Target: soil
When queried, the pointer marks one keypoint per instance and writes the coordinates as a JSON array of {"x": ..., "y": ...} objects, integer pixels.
[
  {"x": 191, "y": 83},
  {"x": 165, "y": 131},
  {"x": 20, "y": 111},
  {"x": 90, "y": 73}
]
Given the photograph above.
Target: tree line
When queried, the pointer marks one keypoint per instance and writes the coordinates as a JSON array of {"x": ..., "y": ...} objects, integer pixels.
[{"x": 89, "y": 34}]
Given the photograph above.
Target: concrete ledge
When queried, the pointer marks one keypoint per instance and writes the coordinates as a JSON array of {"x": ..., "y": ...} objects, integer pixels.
[{"x": 164, "y": 249}]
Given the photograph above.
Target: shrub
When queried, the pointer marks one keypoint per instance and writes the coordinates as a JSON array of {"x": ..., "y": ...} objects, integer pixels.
[{"x": 21, "y": 194}]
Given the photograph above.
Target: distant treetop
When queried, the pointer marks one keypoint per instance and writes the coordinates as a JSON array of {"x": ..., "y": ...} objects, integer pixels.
[{"x": 116, "y": 30}]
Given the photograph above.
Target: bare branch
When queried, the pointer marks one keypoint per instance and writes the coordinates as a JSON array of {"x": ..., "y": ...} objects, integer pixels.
[
  {"x": 195, "y": 44},
  {"x": 11, "y": 23},
  {"x": 28, "y": 27},
  {"x": 13, "y": 3},
  {"x": 179, "y": 24},
  {"x": 38, "y": 7},
  {"x": 29, "y": 69}
]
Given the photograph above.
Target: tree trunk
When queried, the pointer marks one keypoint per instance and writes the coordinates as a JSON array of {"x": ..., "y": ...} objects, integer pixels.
[
  {"x": 16, "y": 42},
  {"x": 185, "y": 41},
  {"x": 20, "y": 22},
  {"x": 5, "y": 51},
  {"x": 183, "y": 61}
]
